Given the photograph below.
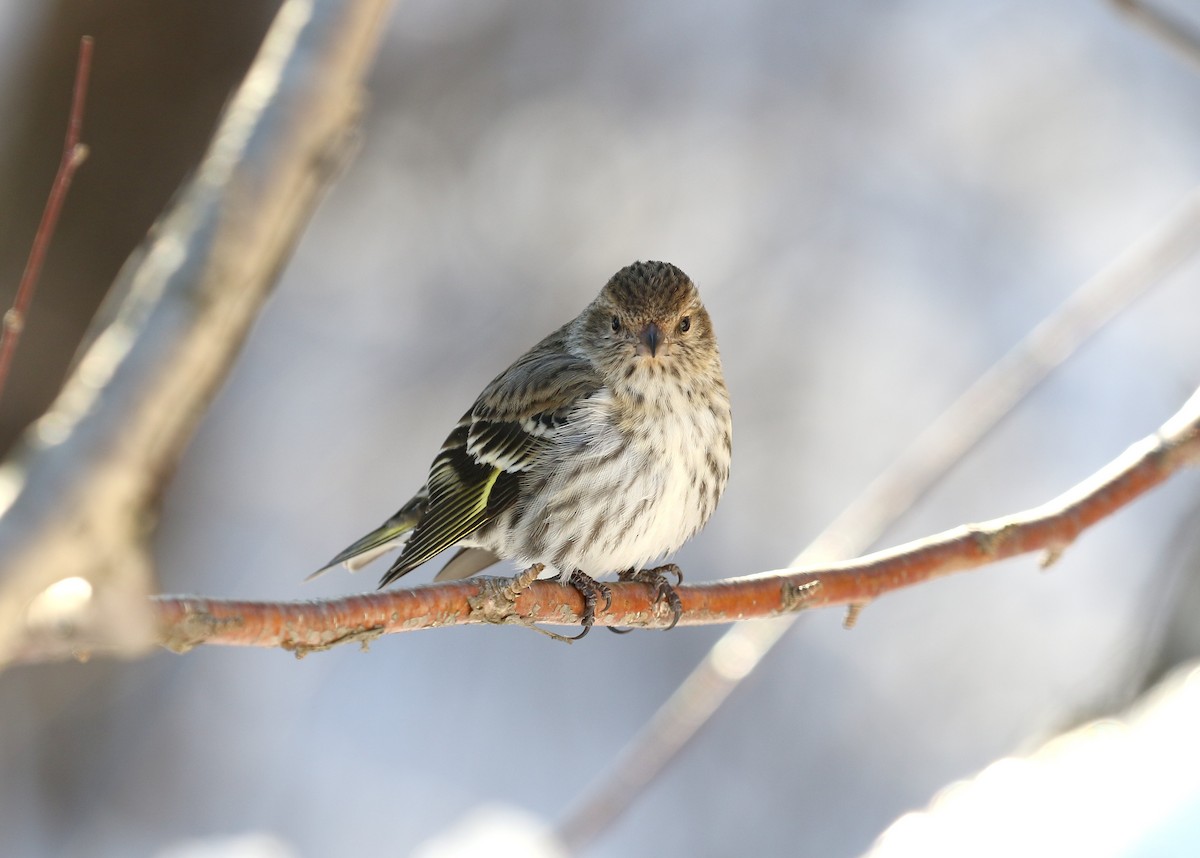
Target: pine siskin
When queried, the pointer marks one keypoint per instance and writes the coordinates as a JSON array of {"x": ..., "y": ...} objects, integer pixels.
[{"x": 603, "y": 447}]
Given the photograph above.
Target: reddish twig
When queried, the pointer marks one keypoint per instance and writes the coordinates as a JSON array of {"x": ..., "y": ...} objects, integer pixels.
[
  {"x": 74, "y": 154},
  {"x": 303, "y": 626}
]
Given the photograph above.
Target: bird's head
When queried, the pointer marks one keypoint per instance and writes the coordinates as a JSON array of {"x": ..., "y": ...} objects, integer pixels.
[{"x": 648, "y": 321}]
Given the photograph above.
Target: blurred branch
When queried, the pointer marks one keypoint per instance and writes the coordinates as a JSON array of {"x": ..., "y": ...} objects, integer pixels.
[
  {"x": 74, "y": 154},
  {"x": 1164, "y": 26},
  {"x": 78, "y": 500},
  {"x": 185, "y": 622},
  {"x": 935, "y": 451}
]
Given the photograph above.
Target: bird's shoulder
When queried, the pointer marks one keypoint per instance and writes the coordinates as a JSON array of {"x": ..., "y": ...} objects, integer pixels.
[
  {"x": 525, "y": 409},
  {"x": 545, "y": 382}
]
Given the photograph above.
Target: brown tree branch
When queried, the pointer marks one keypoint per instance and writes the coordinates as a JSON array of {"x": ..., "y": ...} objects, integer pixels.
[
  {"x": 74, "y": 154},
  {"x": 185, "y": 622}
]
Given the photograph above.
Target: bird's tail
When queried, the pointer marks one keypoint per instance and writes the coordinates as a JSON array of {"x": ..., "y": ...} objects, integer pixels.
[{"x": 389, "y": 536}]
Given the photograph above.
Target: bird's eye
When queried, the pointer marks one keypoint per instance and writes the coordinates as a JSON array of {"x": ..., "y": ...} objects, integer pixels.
[
  {"x": 685, "y": 324},
  {"x": 616, "y": 325}
]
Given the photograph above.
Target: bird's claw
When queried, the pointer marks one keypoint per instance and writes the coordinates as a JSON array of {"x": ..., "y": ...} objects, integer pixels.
[
  {"x": 664, "y": 591},
  {"x": 591, "y": 590}
]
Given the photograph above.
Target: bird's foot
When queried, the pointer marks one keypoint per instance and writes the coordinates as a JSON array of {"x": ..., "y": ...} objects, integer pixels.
[
  {"x": 591, "y": 590},
  {"x": 664, "y": 590},
  {"x": 588, "y": 587}
]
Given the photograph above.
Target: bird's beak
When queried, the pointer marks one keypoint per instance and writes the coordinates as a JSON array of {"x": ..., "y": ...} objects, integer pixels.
[{"x": 649, "y": 339}]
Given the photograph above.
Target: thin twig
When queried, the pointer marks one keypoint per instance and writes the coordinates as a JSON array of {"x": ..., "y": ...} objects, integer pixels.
[
  {"x": 74, "y": 154},
  {"x": 185, "y": 622},
  {"x": 860, "y": 525}
]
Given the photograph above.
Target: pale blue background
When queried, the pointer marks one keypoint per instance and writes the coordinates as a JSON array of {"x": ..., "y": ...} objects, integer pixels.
[{"x": 876, "y": 200}]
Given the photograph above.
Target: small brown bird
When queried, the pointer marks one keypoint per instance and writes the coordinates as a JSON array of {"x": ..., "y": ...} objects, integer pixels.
[{"x": 605, "y": 446}]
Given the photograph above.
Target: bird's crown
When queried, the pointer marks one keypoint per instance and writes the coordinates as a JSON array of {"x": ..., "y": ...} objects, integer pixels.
[{"x": 650, "y": 290}]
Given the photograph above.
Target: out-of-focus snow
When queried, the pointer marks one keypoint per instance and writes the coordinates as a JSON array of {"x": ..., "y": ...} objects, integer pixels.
[
  {"x": 1114, "y": 788},
  {"x": 495, "y": 831}
]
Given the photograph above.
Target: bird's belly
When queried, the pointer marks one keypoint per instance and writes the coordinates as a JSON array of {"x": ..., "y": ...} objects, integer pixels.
[
  {"x": 623, "y": 507},
  {"x": 651, "y": 515}
]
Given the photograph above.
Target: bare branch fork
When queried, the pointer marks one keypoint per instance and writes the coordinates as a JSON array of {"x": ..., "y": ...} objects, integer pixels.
[
  {"x": 185, "y": 622},
  {"x": 78, "y": 499}
]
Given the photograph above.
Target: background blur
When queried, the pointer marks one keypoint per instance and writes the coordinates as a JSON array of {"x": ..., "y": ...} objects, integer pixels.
[{"x": 875, "y": 202}]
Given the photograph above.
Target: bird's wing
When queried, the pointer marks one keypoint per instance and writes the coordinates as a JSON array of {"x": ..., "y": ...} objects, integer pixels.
[{"x": 476, "y": 476}]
